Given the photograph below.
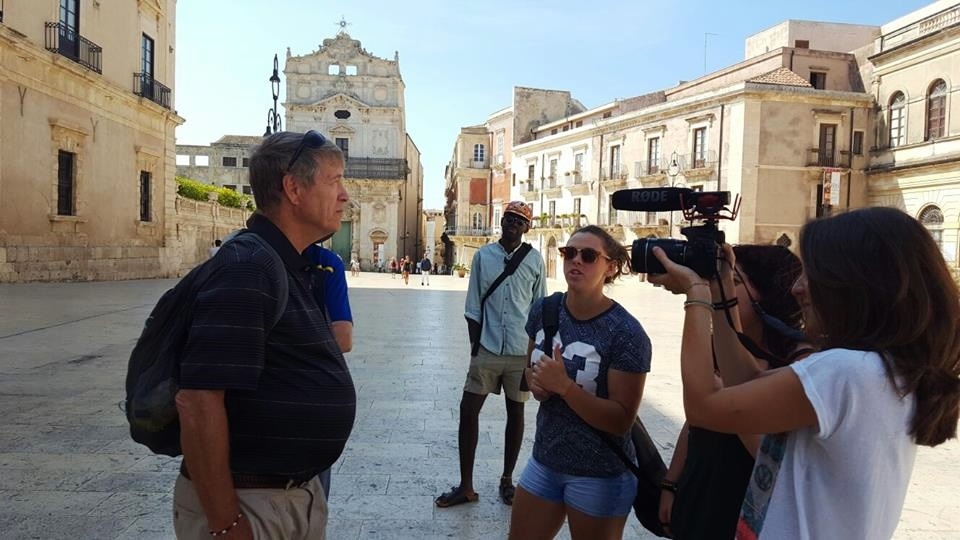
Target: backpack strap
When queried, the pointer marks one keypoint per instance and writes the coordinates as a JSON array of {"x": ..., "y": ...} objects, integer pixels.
[
  {"x": 280, "y": 275},
  {"x": 550, "y": 316}
]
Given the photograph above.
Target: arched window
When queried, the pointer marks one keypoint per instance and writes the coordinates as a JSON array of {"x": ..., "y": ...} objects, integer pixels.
[
  {"x": 479, "y": 153},
  {"x": 936, "y": 109},
  {"x": 898, "y": 128},
  {"x": 932, "y": 218},
  {"x": 477, "y": 222}
]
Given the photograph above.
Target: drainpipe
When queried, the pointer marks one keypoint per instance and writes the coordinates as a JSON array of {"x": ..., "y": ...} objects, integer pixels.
[
  {"x": 599, "y": 178},
  {"x": 850, "y": 158},
  {"x": 720, "y": 150}
]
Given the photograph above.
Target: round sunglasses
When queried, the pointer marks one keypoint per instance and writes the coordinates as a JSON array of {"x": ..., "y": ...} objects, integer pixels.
[{"x": 587, "y": 255}]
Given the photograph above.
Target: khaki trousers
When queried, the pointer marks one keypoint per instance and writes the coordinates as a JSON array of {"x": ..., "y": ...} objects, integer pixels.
[{"x": 294, "y": 513}]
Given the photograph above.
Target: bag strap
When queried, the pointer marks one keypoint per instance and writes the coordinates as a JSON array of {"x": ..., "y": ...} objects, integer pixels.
[
  {"x": 551, "y": 324},
  {"x": 550, "y": 316},
  {"x": 512, "y": 264}
]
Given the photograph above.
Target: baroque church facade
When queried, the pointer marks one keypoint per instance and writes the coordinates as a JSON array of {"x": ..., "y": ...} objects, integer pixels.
[{"x": 357, "y": 99}]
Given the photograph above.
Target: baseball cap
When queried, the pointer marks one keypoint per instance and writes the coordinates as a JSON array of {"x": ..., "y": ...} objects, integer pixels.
[{"x": 519, "y": 208}]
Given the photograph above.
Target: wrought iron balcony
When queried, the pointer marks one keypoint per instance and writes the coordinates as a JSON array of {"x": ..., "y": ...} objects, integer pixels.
[
  {"x": 472, "y": 231},
  {"x": 146, "y": 86},
  {"x": 376, "y": 168},
  {"x": 820, "y": 158},
  {"x": 67, "y": 42},
  {"x": 699, "y": 160}
]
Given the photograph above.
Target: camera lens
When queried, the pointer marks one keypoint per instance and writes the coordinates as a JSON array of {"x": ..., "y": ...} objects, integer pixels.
[{"x": 642, "y": 259}]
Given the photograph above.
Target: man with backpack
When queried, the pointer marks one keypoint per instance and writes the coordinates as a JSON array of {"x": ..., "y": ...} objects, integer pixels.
[
  {"x": 425, "y": 267},
  {"x": 266, "y": 401}
]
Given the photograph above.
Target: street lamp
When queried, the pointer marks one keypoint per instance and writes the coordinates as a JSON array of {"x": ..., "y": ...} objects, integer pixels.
[
  {"x": 273, "y": 119},
  {"x": 673, "y": 169}
]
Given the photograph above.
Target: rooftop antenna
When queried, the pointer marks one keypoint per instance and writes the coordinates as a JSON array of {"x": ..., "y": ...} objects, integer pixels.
[{"x": 705, "y": 34}]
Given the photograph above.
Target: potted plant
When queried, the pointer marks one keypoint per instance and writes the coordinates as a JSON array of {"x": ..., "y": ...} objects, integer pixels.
[{"x": 461, "y": 269}]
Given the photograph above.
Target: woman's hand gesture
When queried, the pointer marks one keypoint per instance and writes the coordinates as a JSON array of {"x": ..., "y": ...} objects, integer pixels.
[{"x": 550, "y": 374}]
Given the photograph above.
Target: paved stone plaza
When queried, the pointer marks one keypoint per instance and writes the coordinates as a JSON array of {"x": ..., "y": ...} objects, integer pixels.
[{"x": 68, "y": 469}]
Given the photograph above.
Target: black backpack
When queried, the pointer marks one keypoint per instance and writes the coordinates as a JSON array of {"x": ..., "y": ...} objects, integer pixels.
[
  {"x": 650, "y": 468},
  {"x": 153, "y": 371}
]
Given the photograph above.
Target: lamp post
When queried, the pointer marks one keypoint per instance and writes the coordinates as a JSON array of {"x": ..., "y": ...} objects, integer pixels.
[
  {"x": 273, "y": 119},
  {"x": 673, "y": 169}
]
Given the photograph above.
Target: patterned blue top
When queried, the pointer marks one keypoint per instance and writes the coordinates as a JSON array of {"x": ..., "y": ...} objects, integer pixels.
[{"x": 613, "y": 339}]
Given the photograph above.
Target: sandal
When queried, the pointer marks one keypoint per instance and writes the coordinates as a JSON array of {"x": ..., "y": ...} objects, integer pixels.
[
  {"x": 507, "y": 491},
  {"x": 454, "y": 497}
]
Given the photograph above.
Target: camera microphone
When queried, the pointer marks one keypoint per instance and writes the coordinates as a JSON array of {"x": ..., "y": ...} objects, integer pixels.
[{"x": 653, "y": 199}]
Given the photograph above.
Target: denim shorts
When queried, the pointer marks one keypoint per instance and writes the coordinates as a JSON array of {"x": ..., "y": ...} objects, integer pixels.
[{"x": 596, "y": 497}]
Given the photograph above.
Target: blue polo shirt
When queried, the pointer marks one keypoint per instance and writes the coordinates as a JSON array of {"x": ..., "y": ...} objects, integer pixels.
[
  {"x": 334, "y": 282},
  {"x": 289, "y": 397}
]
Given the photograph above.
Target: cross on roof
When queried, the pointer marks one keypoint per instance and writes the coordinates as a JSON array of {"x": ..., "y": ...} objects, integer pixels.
[{"x": 343, "y": 24}]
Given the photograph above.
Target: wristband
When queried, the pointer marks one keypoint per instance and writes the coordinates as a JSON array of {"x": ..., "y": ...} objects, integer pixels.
[
  {"x": 226, "y": 529},
  {"x": 667, "y": 485},
  {"x": 733, "y": 302}
]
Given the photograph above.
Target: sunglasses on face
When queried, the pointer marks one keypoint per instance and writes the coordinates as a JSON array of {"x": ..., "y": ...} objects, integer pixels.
[
  {"x": 311, "y": 139},
  {"x": 587, "y": 255},
  {"x": 515, "y": 219}
]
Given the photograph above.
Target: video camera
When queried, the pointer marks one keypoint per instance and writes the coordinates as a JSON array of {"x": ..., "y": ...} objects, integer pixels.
[{"x": 699, "y": 252}]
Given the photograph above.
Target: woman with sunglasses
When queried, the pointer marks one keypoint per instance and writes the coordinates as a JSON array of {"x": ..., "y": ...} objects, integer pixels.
[
  {"x": 589, "y": 391},
  {"x": 845, "y": 422},
  {"x": 754, "y": 314}
]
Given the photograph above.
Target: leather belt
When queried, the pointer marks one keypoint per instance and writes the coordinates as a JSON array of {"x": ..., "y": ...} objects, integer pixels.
[{"x": 258, "y": 481}]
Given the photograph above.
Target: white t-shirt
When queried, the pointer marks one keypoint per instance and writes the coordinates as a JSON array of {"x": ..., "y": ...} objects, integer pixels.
[{"x": 848, "y": 477}]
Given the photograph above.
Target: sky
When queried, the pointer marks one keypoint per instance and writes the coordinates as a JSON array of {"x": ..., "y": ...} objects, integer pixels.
[{"x": 460, "y": 60}]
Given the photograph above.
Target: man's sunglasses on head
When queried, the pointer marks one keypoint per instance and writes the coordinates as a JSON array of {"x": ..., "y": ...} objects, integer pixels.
[{"x": 311, "y": 139}]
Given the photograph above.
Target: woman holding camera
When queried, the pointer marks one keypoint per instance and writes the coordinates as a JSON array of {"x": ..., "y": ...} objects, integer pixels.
[
  {"x": 846, "y": 421},
  {"x": 755, "y": 319},
  {"x": 589, "y": 391}
]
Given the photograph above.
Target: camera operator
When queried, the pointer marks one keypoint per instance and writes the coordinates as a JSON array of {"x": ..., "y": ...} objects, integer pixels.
[
  {"x": 846, "y": 421},
  {"x": 709, "y": 471}
]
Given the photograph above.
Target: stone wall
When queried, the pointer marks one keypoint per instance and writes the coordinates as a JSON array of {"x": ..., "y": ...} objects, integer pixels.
[{"x": 69, "y": 257}]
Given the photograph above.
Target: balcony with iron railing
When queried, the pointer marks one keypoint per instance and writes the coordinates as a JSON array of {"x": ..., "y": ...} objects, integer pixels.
[
  {"x": 472, "y": 231},
  {"x": 67, "y": 42},
  {"x": 577, "y": 184},
  {"x": 700, "y": 163},
  {"x": 376, "y": 168},
  {"x": 819, "y": 158},
  {"x": 476, "y": 164},
  {"x": 146, "y": 86}
]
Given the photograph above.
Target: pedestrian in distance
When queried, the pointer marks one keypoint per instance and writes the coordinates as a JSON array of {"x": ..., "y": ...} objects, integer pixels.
[
  {"x": 393, "y": 268},
  {"x": 264, "y": 408},
  {"x": 753, "y": 306},
  {"x": 425, "y": 267},
  {"x": 215, "y": 248},
  {"x": 407, "y": 267},
  {"x": 589, "y": 387},
  {"x": 507, "y": 277},
  {"x": 844, "y": 423}
]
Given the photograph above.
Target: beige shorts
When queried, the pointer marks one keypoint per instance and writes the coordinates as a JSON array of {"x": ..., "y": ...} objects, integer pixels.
[
  {"x": 490, "y": 372},
  {"x": 295, "y": 513}
]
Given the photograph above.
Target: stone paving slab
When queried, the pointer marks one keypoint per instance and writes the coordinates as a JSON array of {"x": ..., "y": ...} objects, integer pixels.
[{"x": 69, "y": 470}]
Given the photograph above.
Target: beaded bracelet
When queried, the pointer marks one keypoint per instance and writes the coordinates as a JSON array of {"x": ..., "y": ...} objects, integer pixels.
[
  {"x": 689, "y": 303},
  {"x": 226, "y": 529}
]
